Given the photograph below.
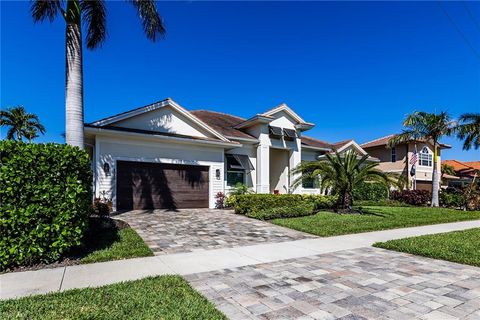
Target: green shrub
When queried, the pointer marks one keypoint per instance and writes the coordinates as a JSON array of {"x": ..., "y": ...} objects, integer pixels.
[
  {"x": 250, "y": 203},
  {"x": 413, "y": 197},
  {"x": 370, "y": 191},
  {"x": 45, "y": 192},
  {"x": 283, "y": 212},
  {"x": 453, "y": 199}
]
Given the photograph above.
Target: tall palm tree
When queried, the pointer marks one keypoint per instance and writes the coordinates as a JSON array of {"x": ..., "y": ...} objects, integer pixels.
[
  {"x": 21, "y": 123},
  {"x": 430, "y": 127},
  {"x": 469, "y": 129},
  {"x": 341, "y": 173},
  {"x": 91, "y": 15}
]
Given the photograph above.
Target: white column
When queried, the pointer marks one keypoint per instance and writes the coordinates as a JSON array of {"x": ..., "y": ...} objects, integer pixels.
[
  {"x": 263, "y": 168},
  {"x": 294, "y": 161}
]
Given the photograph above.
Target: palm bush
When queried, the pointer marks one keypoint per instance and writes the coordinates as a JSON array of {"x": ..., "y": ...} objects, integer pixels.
[{"x": 341, "y": 174}]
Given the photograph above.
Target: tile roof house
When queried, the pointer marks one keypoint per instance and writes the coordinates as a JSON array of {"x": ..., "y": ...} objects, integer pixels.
[
  {"x": 398, "y": 159},
  {"x": 465, "y": 172},
  {"x": 165, "y": 156}
]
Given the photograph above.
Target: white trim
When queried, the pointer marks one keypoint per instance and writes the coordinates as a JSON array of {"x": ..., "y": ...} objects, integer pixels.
[
  {"x": 96, "y": 160},
  {"x": 252, "y": 140},
  {"x": 168, "y": 102},
  {"x": 352, "y": 143},
  {"x": 116, "y": 133},
  {"x": 315, "y": 148},
  {"x": 284, "y": 107}
]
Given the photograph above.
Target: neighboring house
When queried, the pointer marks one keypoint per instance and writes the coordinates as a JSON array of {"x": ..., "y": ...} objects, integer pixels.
[
  {"x": 398, "y": 159},
  {"x": 464, "y": 173},
  {"x": 164, "y": 156}
]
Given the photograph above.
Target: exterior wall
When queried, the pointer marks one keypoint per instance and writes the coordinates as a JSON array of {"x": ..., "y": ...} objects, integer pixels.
[
  {"x": 108, "y": 149},
  {"x": 279, "y": 170},
  {"x": 164, "y": 120},
  {"x": 402, "y": 165}
]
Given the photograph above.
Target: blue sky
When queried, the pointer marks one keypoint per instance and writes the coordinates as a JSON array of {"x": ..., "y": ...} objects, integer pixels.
[{"x": 355, "y": 69}]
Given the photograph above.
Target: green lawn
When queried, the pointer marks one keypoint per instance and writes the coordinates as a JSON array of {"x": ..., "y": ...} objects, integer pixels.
[
  {"x": 327, "y": 224},
  {"x": 164, "y": 297},
  {"x": 457, "y": 246},
  {"x": 113, "y": 244}
]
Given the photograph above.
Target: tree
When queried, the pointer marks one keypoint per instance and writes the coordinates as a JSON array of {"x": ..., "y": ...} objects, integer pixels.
[
  {"x": 431, "y": 127},
  {"x": 21, "y": 123},
  {"x": 469, "y": 130},
  {"x": 341, "y": 173},
  {"x": 92, "y": 15}
]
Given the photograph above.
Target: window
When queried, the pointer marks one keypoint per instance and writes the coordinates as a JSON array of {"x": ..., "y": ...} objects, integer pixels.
[
  {"x": 237, "y": 166},
  {"x": 275, "y": 132},
  {"x": 289, "y": 134},
  {"x": 425, "y": 157},
  {"x": 394, "y": 154},
  {"x": 308, "y": 183},
  {"x": 234, "y": 177}
]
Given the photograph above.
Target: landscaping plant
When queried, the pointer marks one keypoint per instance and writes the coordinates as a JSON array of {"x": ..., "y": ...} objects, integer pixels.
[
  {"x": 412, "y": 197},
  {"x": 301, "y": 210},
  {"x": 220, "y": 200},
  {"x": 341, "y": 173},
  {"x": 45, "y": 192}
]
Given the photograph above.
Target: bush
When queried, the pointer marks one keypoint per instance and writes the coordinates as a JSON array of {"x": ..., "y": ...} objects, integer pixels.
[
  {"x": 219, "y": 200},
  {"x": 45, "y": 192},
  {"x": 283, "y": 212},
  {"x": 413, "y": 197},
  {"x": 452, "y": 199},
  {"x": 102, "y": 205},
  {"x": 240, "y": 189},
  {"x": 370, "y": 191},
  {"x": 250, "y": 203}
]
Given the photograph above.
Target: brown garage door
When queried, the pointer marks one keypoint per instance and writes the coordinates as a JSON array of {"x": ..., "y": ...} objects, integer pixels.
[{"x": 143, "y": 185}]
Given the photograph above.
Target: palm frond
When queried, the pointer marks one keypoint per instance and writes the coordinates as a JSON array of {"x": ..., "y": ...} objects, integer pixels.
[
  {"x": 469, "y": 130},
  {"x": 45, "y": 9},
  {"x": 151, "y": 20},
  {"x": 94, "y": 15}
]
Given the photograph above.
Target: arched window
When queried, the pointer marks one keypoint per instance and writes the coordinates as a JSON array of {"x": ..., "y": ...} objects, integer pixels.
[{"x": 425, "y": 158}]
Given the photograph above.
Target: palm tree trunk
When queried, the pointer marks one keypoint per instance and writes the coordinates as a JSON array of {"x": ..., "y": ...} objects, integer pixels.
[
  {"x": 74, "y": 78},
  {"x": 435, "y": 178}
]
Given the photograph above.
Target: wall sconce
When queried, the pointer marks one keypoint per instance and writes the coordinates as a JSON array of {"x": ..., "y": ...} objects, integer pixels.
[
  {"x": 217, "y": 174},
  {"x": 106, "y": 168}
]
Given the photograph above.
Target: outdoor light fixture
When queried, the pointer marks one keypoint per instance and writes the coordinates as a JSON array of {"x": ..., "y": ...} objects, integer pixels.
[
  {"x": 106, "y": 168},
  {"x": 217, "y": 174}
]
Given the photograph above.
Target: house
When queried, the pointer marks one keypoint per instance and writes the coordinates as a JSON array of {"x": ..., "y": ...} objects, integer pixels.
[
  {"x": 398, "y": 159},
  {"x": 465, "y": 172},
  {"x": 164, "y": 156}
]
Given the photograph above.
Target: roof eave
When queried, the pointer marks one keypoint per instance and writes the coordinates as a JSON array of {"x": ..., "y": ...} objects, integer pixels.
[{"x": 257, "y": 119}]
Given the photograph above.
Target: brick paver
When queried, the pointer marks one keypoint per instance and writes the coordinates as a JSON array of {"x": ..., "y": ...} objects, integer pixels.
[
  {"x": 190, "y": 230},
  {"x": 366, "y": 283}
]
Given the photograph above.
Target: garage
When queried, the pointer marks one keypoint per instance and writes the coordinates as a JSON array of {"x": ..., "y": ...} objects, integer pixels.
[{"x": 144, "y": 185}]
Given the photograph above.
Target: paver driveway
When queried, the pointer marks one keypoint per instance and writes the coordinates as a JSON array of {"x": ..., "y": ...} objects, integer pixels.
[
  {"x": 366, "y": 283},
  {"x": 190, "y": 230}
]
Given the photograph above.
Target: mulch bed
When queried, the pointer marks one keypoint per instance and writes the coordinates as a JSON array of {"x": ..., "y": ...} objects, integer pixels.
[{"x": 97, "y": 224}]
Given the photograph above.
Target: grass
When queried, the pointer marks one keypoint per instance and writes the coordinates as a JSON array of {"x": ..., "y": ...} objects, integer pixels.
[
  {"x": 164, "y": 297},
  {"x": 456, "y": 246},
  {"x": 114, "y": 244},
  {"x": 327, "y": 224}
]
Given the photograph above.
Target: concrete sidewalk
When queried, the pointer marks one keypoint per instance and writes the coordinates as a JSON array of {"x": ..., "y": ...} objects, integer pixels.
[{"x": 21, "y": 284}]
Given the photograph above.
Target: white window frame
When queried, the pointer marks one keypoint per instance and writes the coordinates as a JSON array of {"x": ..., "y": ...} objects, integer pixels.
[{"x": 425, "y": 156}]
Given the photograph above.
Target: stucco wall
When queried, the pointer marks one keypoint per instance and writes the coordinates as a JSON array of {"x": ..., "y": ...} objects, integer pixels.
[
  {"x": 251, "y": 177},
  {"x": 112, "y": 149}
]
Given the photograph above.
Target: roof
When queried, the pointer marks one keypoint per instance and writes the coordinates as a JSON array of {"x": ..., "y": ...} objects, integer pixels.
[
  {"x": 340, "y": 144},
  {"x": 383, "y": 141},
  {"x": 463, "y": 168},
  {"x": 315, "y": 143},
  {"x": 222, "y": 122}
]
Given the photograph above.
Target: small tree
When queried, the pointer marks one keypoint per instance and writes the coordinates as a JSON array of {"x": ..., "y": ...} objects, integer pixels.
[
  {"x": 429, "y": 127},
  {"x": 469, "y": 130},
  {"x": 21, "y": 123},
  {"x": 341, "y": 173}
]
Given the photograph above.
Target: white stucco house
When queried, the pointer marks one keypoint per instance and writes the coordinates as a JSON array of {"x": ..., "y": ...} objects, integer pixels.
[{"x": 165, "y": 156}]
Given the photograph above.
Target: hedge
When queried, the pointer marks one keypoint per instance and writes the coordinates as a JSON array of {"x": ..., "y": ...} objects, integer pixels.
[
  {"x": 283, "y": 212},
  {"x": 413, "y": 197},
  {"x": 45, "y": 192},
  {"x": 370, "y": 191},
  {"x": 251, "y": 203}
]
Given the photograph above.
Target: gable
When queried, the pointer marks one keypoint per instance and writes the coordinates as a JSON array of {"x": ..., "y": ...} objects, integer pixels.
[
  {"x": 165, "y": 119},
  {"x": 283, "y": 120}
]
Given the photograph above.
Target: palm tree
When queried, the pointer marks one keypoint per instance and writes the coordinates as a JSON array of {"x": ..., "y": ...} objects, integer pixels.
[
  {"x": 341, "y": 173},
  {"x": 469, "y": 129},
  {"x": 430, "y": 127},
  {"x": 21, "y": 123},
  {"x": 92, "y": 15}
]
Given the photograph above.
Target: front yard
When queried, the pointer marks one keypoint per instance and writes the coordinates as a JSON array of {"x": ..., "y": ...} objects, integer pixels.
[
  {"x": 457, "y": 246},
  {"x": 164, "y": 297},
  {"x": 327, "y": 224}
]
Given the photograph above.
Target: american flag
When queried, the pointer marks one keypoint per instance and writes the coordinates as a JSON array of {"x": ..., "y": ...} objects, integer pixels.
[{"x": 413, "y": 159}]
